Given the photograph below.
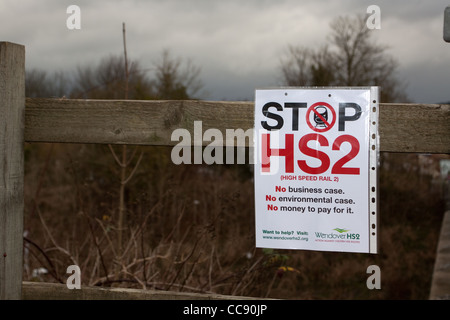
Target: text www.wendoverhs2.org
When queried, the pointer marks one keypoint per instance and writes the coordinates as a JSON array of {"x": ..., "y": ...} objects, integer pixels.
[{"x": 285, "y": 238}]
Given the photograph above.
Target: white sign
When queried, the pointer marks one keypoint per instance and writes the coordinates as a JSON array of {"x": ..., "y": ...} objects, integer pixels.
[{"x": 316, "y": 168}]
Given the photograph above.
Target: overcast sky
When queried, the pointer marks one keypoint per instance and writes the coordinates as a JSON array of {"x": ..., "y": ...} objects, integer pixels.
[{"x": 236, "y": 43}]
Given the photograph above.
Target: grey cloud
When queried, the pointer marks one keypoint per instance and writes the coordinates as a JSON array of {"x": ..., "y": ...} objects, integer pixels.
[{"x": 237, "y": 44}]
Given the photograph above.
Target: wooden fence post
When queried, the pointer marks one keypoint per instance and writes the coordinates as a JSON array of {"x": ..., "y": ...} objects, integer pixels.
[{"x": 12, "y": 118}]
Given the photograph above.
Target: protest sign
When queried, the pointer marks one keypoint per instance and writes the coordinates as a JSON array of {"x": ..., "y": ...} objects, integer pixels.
[{"x": 316, "y": 168}]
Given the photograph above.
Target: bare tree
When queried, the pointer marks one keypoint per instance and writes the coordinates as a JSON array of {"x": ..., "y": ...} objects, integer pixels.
[
  {"x": 351, "y": 58},
  {"x": 40, "y": 84},
  {"x": 175, "y": 81},
  {"x": 107, "y": 81},
  {"x": 321, "y": 67},
  {"x": 302, "y": 66},
  {"x": 295, "y": 66},
  {"x": 359, "y": 61},
  {"x": 173, "y": 78}
]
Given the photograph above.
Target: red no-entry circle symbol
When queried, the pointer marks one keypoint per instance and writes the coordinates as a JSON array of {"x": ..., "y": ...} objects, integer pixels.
[{"x": 321, "y": 117}]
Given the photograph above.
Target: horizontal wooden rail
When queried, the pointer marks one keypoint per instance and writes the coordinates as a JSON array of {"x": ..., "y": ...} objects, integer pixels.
[
  {"x": 422, "y": 128},
  {"x": 57, "y": 291}
]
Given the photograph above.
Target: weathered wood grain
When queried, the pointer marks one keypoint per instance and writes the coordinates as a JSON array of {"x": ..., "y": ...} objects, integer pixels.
[
  {"x": 12, "y": 107},
  {"x": 402, "y": 127},
  {"x": 56, "y": 291},
  {"x": 415, "y": 128}
]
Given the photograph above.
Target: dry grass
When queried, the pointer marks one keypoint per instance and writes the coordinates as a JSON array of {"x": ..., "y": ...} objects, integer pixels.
[{"x": 191, "y": 228}]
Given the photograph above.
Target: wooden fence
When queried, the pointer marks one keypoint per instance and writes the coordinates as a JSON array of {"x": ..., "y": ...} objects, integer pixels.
[{"x": 402, "y": 128}]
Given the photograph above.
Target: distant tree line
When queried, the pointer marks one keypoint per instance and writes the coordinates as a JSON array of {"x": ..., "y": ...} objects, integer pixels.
[
  {"x": 350, "y": 57},
  {"x": 173, "y": 78}
]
